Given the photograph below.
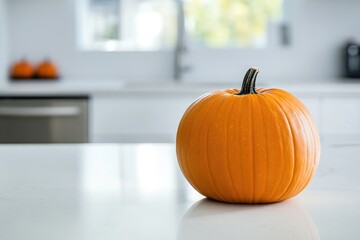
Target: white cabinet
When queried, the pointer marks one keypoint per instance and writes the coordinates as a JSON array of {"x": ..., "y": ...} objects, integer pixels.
[
  {"x": 136, "y": 118},
  {"x": 341, "y": 116},
  {"x": 154, "y": 117},
  {"x": 314, "y": 106}
]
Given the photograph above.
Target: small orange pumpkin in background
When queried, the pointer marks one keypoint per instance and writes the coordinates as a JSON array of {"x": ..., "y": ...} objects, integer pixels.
[
  {"x": 22, "y": 70},
  {"x": 47, "y": 70},
  {"x": 249, "y": 145}
]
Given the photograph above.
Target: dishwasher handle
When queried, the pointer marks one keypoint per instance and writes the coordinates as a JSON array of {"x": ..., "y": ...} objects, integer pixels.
[{"x": 54, "y": 111}]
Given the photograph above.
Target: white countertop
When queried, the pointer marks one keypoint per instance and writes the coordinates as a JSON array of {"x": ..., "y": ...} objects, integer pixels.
[
  {"x": 113, "y": 191},
  {"x": 91, "y": 87},
  {"x": 59, "y": 87}
]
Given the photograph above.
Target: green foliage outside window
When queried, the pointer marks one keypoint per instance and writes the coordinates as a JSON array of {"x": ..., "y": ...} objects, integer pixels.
[{"x": 218, "y": 23}]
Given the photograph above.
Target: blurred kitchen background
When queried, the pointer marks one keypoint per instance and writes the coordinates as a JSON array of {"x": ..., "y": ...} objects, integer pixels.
[{"x": 127, "y": 69}]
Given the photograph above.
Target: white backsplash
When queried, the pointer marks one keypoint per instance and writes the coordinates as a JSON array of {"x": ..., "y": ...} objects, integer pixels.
[{"x": 3, "y": 49}]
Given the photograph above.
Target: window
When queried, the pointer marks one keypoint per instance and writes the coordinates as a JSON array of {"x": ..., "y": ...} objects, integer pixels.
[
  {"x": 102, "y": 28},
  {"x": 230, "y": 23},
  {"x": 146, "y": 25},
  {"x": 113, "y": 25}
]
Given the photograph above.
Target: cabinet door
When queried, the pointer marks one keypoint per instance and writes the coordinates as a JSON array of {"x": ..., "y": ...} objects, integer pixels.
[
  {"x": 149, "y": 118},
  {"x": 140, "y": 119},
  {"x": 341, "y": 116},
  {"x": 314, "y": 106}
]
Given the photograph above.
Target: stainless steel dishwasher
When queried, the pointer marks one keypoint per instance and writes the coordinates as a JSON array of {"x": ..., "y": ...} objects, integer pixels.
[{"x": 44, "y": 119}]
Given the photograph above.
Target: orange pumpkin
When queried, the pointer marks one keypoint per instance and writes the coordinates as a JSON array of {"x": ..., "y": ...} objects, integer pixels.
[
  {"x": 22, "y": 70},
  {"x": 249, "y": 145},
  {"x": 47, "y": 70}
]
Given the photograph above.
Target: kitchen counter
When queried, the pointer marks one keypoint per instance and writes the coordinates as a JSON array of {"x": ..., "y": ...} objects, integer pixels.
[
  {"x": 59, "y": 87},
  {"x": 135, "y": 191},
  {"x": 92, "y": 87},
  {"x": 319, "y": 88}
]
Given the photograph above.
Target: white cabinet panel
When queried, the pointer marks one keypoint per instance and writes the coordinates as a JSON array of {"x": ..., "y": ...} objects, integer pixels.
[
  {"x": 153, "y": 118},
  {"x": 126, "y": 118},
  {"x": 314, "y": 106},
  {"x": 148, "y": 118},
  {"x": 341, "y": 116}
]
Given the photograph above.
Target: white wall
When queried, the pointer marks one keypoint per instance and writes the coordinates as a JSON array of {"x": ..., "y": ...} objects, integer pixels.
[
  {"x": 39, "y": 28},
  {"x": 3, "y": 50}
]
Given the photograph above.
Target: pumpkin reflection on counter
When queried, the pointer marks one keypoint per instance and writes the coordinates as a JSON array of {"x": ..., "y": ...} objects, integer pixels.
[
  {"x": 47, "y": 70},
  {"x": 22, "y": 70},
  {"x": 212, "y": 220}
]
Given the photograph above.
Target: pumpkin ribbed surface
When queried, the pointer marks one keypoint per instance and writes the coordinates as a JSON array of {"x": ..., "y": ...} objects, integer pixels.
[{"x": 252, "y": 148}]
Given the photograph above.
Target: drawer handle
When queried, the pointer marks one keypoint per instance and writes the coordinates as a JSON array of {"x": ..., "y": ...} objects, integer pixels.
[{"x": 39, "y": 111}]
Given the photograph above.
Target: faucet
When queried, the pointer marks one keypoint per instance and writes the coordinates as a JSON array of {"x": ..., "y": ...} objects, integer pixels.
[{"x": 180, "y": 46}]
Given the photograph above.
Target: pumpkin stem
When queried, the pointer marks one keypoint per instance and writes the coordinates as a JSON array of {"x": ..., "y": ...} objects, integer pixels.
[{"x": 248, "y": 85}]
